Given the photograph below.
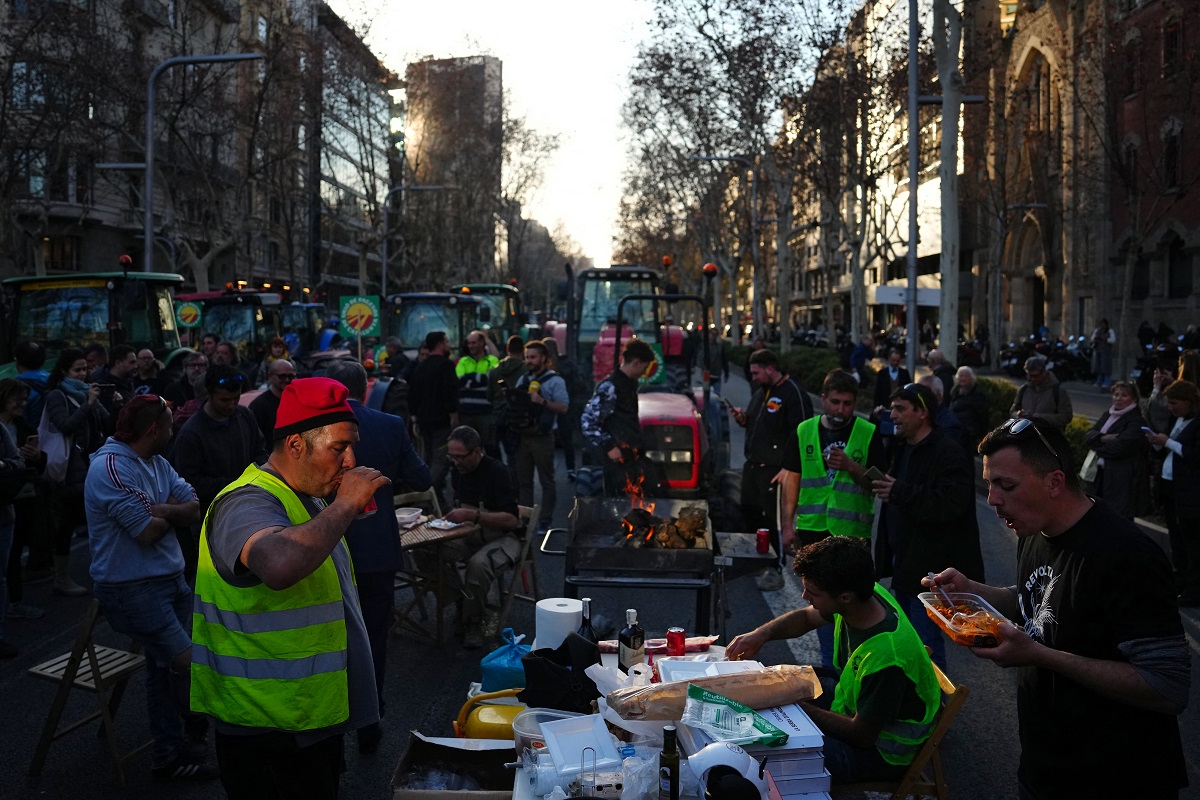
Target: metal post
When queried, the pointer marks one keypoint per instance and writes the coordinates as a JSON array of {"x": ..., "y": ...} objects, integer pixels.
[
  {"x": 914, "y": 330},
  {"x": 148, "y": 185}
]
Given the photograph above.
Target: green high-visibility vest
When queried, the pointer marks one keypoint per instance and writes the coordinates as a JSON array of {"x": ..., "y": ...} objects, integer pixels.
[
  {"x": 899, "y": 740},
  {"x": 840, "y": 505},
  {"x": 263, "y": 658}
]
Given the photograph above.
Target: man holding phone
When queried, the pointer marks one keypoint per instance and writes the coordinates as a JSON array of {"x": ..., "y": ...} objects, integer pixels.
[{"x": 778, "y": 405}]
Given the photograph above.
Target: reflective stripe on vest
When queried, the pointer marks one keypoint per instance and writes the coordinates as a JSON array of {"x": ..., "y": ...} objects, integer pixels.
[
  {"x": 899, "y": 740},
  {"x": 840, "y": 505},
  {"x": 472, "y": 377},
  {"x": 263, "y": 658}
]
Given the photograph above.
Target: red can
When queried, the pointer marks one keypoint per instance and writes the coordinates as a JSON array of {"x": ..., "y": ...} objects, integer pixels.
[
  {"x": 370, "y": 508},
  {"x": 763, "y": 541},
  {"x": 676, "y": 642}
]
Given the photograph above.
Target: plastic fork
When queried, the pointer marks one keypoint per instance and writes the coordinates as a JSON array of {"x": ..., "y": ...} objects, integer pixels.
[{"x": 933, "y": 577}]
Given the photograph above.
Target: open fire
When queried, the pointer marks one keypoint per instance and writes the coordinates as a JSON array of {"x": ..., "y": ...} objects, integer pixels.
[{"x": 643, "y": 529}]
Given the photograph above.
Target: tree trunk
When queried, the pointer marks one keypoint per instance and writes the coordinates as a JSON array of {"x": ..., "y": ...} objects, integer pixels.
[
  {"x": 947, "y": 37},
  {"x": 1125, "y": 353}
]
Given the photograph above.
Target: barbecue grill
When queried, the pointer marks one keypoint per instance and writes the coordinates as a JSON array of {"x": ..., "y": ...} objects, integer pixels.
[{"x": 600, "y": 553}]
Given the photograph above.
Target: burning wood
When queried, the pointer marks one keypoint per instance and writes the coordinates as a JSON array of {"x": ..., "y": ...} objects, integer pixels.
[{"x": 644, "y": 529}]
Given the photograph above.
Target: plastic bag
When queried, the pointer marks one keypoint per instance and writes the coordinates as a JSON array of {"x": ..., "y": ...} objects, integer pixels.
[
  {"x": 728, "y": 720},
  {"x": 502, "y": 668}
]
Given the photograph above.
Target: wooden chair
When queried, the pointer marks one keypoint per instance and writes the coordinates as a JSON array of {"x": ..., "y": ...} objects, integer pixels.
[
  {"x": 524, "y": 570},
  {"x": 104, "y": 671},
  {"x": 925, "y": 776}
]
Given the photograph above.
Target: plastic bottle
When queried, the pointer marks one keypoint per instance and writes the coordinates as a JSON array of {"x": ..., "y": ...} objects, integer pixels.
[
  {"x": 668, "y": 766},
  {"x": 585, "y": 629},
  {"x": 632, "y": 642}
]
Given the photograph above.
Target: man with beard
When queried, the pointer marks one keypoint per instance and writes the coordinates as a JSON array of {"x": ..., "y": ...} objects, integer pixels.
[
  {"x": 135, "y": 502},
  {"x": 777, "y": 408},
  {"x": 831, "y": 494},
  {"x": 217, "y": 443},
  {"x": 927, "y": 519},
  {"x": 146, "y": 377},
  {"x": 1103, "y": 666},
  {"x": 180, "y": 391},
  {"x": 280, "y": 655}
]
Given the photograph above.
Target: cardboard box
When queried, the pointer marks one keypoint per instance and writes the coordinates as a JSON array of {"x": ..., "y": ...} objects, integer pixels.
[{"x": 482, "y": 760}]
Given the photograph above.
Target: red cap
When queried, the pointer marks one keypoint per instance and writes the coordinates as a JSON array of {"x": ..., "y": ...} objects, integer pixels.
[{"x": 311, "y": 403}]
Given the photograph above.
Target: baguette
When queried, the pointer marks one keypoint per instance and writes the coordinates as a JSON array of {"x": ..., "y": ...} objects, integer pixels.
[{"x": 762, "y": 688}]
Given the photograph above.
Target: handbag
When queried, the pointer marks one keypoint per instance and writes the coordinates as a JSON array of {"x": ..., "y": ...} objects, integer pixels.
[
  {"x": 502, "y": 668},
  {"x": 57, "y": 447},
  {"x": 1091, "y": 465},
  {"x": 555, "y": 678}
]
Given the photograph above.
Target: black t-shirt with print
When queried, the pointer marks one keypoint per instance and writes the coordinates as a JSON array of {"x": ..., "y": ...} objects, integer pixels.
[
  {"x": 772, "y": 417},
  {"x": 487, "y": 487},
  {"x": 1089, "y": 589}
]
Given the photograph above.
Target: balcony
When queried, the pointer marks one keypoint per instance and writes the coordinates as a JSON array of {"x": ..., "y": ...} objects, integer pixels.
[
  {"x": 226, "y": 10},
  {"x": 151, "y": 11}
]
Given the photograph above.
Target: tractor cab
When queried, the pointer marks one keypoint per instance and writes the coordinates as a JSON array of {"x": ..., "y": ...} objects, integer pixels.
[{"x": 413, "y": 315}]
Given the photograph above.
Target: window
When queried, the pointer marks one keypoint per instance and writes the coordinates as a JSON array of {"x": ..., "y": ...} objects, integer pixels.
[
  {"x": 61, "y": 253},
  {"x": 1179, "y": 271},
  {"x": 28, "y": 85},
  {"x": 1141, "y": 279},
  {"x": 1133, "y": 68},
  {"x": 1131, "y": 171},
  {"x": 1172, "y": 50},
  {"x": 263, "y": 27},
  {"x": 1171, "y": 145},
  {"x": 30, "y": 167}
]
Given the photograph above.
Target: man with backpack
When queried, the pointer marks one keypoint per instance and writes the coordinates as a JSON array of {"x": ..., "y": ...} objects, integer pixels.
[
  {"x": 534, "y": 406},
  {"x": 1043, "y": 396}
]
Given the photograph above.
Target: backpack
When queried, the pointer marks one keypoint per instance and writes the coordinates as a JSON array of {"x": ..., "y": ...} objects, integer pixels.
[
  {"x": 521, "y": 415},
  {"x": 1054, "y": 390},
  {"x": 37, "y": 399}
]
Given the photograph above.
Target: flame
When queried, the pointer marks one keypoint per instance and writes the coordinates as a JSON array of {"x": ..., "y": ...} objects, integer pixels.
[{"x": 636, "y": 492}]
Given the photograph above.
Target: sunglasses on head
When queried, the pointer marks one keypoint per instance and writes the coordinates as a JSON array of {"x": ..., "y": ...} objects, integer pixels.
[
  {"x": 1016, "y": 427},
  {"x": 233, "y": 382}
]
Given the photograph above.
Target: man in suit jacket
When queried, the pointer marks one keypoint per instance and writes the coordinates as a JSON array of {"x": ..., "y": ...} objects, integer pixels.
[{"x": 374, "y": 541}]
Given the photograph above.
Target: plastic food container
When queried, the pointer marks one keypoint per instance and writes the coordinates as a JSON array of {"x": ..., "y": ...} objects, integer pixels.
[
  {"x": 972, "y": 622},
  {"x": 527, "y": 727},
  {"x": 407, "y": 516}
]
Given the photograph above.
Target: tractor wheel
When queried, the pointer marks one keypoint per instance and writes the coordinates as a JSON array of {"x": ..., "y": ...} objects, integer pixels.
[{"x": 589, "y": 482}]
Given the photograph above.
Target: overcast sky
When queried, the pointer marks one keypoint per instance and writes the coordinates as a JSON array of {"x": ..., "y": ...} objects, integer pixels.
[{"x": 566, "y": 67}]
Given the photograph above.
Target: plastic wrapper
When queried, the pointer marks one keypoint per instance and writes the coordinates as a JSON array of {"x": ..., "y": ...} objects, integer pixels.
[
  {"x": 727, "y": 720},
  {"x": 762, "y": 688},
  {"x": 693, "y": 644}
]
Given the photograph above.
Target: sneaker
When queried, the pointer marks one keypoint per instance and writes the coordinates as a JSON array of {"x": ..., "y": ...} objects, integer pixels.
[
  {"x": 185, "y": 768},
  {"x": 770, "y": 581},
  {"x": 25, "y": 611},
  {"x": 473, "y": 638},
  {"x": 8, "y": 650}
]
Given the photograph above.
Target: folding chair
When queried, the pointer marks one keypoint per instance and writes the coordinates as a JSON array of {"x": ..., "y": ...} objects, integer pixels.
[
  {"x": 104, "y": 671},
  {"x": 918, "y": 780},
  {"x": 406, "y": 577},
  {"x": 525, "y": 568}
]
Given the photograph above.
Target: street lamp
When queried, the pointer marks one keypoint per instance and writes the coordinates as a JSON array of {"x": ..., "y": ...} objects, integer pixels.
[
  {"x": 383, "y": 245},
  {"x": 753, "y": 239},
  {"x": 148, "y": 164}
]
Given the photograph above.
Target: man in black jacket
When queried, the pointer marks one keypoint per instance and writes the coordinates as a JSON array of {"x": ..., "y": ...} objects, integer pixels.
[
  {"x": 927, "y": 521},
  {"x": 433, "y": 402}
]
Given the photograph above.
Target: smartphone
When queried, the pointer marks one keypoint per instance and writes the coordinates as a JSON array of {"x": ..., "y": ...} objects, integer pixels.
[
  {"x": 1148, "y": 430},
  {"x": 107, "y": 389},
  {"x": 874, "y": 474}
]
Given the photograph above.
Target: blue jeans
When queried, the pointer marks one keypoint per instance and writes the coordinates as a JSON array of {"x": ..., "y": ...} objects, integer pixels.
[
  {"x": 7, "y": 525},
  {"x": 158, "y": 613},
  {"x": 931, "y": 635}
]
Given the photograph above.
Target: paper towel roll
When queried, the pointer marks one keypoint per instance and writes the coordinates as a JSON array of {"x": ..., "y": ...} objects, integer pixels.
[{"x": 554, "y": 619}]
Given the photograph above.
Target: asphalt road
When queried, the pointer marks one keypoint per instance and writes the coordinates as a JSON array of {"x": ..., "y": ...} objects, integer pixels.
[{"x": 427, "y": 686}]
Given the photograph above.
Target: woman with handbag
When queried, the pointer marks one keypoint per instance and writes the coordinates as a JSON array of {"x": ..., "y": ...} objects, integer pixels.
[
  {"x": 1119, "y": 454},
  {"x": 30, "y": 527},
  {"x": 76, "y": 418}
]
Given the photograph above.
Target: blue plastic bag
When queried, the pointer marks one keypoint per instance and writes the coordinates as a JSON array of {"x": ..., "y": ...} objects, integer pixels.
[{"x": 502, "y": 668}]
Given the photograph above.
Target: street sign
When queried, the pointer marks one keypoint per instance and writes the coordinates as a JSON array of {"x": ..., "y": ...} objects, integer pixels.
[
  {"x": 360, "y": 315},
  {"x": 188, "y": 314}
]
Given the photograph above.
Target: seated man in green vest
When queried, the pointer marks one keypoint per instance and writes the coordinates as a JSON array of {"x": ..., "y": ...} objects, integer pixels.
[
  {"x": 280, "y": 654},
  {"x": 886, "y": 697}
]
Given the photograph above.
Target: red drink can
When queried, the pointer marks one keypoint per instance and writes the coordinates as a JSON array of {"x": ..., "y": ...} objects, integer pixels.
[
  {"x": 762, "y": 542},
  {"x": 370, "y": 508},
  {"x": 676, "y": 642}
]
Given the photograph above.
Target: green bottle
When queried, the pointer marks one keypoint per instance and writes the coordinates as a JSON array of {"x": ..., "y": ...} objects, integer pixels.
[{"x": 668, "y": 766}]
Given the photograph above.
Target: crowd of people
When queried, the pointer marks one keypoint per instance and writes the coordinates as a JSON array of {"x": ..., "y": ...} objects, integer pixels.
[{"x": 234, "y": 542}]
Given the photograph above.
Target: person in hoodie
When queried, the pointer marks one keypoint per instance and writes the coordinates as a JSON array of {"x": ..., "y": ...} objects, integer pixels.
[{"x": 134, "y": 501}]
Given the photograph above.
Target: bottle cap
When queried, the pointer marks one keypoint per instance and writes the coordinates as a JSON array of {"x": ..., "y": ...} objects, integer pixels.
[{"x": 631, "y": 615}]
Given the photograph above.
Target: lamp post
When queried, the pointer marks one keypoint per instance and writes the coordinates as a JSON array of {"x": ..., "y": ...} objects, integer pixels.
[
  {"x": 383, "y": 245},
  {"x": 758, "y": 331}
]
